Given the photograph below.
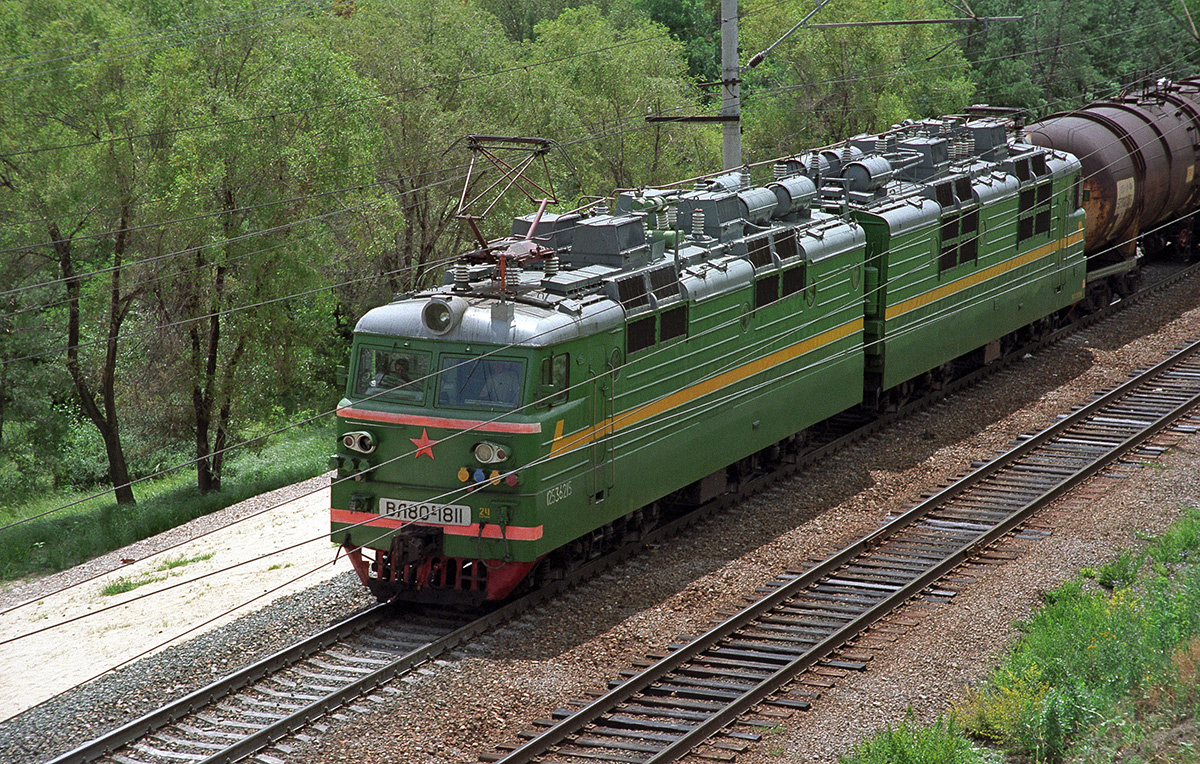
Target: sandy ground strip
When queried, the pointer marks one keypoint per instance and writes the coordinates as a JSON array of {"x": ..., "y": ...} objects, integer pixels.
[{"x": 183, "y": 604}]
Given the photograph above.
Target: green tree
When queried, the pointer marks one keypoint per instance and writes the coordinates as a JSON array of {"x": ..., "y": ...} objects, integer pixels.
[
  {"x": 593, "y": 87},
  {"x": 283, "y": 141},
  {"x": 31, "y": 384},
  {"x": 697, "y": 25},
  {"x": 1063, "y": 54},
  {"x": 443, "y": 70},
  {"x": 822, "y": 85},
  {"x": 69, "y": 172},
  {"x": 519, "y": 18}
]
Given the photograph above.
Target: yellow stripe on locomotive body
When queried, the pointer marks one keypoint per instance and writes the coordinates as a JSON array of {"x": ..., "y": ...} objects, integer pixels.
[
  {"x": 572, "y": 377},
  {"x": 947, "y": 290},
  {"x": 561, "y": 444}
]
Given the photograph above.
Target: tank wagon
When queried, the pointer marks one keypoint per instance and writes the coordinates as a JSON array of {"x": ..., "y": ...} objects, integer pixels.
[
  {"x": 1139, "y": 155},
  {"x": 573, "y": 382}
]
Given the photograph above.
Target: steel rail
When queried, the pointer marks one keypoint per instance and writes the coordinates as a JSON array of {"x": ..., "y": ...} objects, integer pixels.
[
  {"x": 291, "y": 723},
  {"x": 246, "y": 677},
  {"x": 195, "y": 701},
  {"x": 561, "y": 733}
]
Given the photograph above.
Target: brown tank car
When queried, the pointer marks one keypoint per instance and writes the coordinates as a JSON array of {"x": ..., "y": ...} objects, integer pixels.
[{"x": 1139, "y": 154}]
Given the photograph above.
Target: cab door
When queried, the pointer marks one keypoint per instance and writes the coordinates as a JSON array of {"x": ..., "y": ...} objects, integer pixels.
[{"x": 602, "y": 435}]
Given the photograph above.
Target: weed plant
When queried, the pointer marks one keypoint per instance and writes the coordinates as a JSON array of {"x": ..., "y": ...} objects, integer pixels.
[
  {"x": 71, "y": 536},
  {"x": 906, "y": 743},
  {"x": 1119, "y": 572},
  {"x": 123, "y": 584}
]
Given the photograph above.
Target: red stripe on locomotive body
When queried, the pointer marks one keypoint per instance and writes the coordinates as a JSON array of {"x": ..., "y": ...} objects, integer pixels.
[
  {"x": 511, "y": 532},
  {"x": 433, "y": 421},
  {"x": 364, "y": 518}
]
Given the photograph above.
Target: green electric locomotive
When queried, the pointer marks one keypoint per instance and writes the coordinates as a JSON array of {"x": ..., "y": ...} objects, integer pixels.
[{"x": 573, "y": 380}]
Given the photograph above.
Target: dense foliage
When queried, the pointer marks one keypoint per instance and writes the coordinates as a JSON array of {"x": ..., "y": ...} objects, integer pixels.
[{"x": 200, "y": 198}]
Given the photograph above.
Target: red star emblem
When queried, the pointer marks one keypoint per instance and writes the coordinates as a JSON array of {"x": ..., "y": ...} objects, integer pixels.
[{"x": 424, "y": 444}]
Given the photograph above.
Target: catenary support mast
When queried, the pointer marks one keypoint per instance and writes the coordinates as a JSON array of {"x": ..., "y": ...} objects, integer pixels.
[{"x": 731, "y": 105}]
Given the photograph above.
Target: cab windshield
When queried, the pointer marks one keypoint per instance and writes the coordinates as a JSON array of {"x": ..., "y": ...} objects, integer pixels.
[
  {"x": 491, "y": 383},
  {"x": 392, "y": 375}
]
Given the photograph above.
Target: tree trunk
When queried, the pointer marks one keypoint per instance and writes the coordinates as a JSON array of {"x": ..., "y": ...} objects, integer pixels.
[
  {"x": 208, "y": 475},
  {"x": 211, "y": 397},
  {"x": 106, "y": 420}
]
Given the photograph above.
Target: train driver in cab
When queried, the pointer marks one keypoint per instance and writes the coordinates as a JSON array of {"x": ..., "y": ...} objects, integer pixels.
[{"x": 393, "y": 375}]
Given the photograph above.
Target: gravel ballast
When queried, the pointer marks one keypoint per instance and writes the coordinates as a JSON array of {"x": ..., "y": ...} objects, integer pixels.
[
  {"x": 573, "y": 646},
  {"x": 459, "y": 707}
]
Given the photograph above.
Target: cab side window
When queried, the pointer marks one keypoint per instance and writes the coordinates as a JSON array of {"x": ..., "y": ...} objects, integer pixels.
[{"x": 556, "y": 374}]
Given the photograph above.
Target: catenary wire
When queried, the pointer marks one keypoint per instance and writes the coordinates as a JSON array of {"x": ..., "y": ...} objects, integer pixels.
[{"x": 194, "y": 461}]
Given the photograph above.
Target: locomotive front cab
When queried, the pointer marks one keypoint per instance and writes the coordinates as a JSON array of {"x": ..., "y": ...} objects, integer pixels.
[{"x": 438, "y": 453}]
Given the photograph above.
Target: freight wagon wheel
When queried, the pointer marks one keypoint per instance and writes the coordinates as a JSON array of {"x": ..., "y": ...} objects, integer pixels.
[
  {"x": 1187, "y": 240},
  {"x": 1099, "y": 295},
  {"x": 1154, "y": 244},
  {"x": 1129, "y": 283}
]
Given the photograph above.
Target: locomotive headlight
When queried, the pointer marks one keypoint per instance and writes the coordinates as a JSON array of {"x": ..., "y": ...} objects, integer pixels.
[
  {"x": 490, "y": 453},
  {"x": 441, "y": 314},
  {"x": 362, "y": 441}
]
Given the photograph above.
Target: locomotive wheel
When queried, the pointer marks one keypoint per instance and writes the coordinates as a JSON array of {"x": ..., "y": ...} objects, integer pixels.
[
  {"x": 941, "y": 376},
  {"x": 900, "y": 395}
]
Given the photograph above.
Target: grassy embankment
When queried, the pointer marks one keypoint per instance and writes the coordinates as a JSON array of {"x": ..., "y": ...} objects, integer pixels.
[
  {"x": 1106, "y": 671},
  {"x": 70, "y": 536}
]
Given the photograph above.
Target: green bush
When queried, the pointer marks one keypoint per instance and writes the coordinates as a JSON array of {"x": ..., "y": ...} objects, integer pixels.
[
  {"x": 1088, "y": 651},
  {"x": 940, "y": 743},
  {"x": 1119, "y": 573},
  {"x": 22, "y": 474},
  {"x": 1179, "y": 541}
]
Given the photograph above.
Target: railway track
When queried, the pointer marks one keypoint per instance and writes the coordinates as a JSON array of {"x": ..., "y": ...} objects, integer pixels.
[
  {"x": 255, "y": 708},
  {"x": 689, "y": 698}
]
